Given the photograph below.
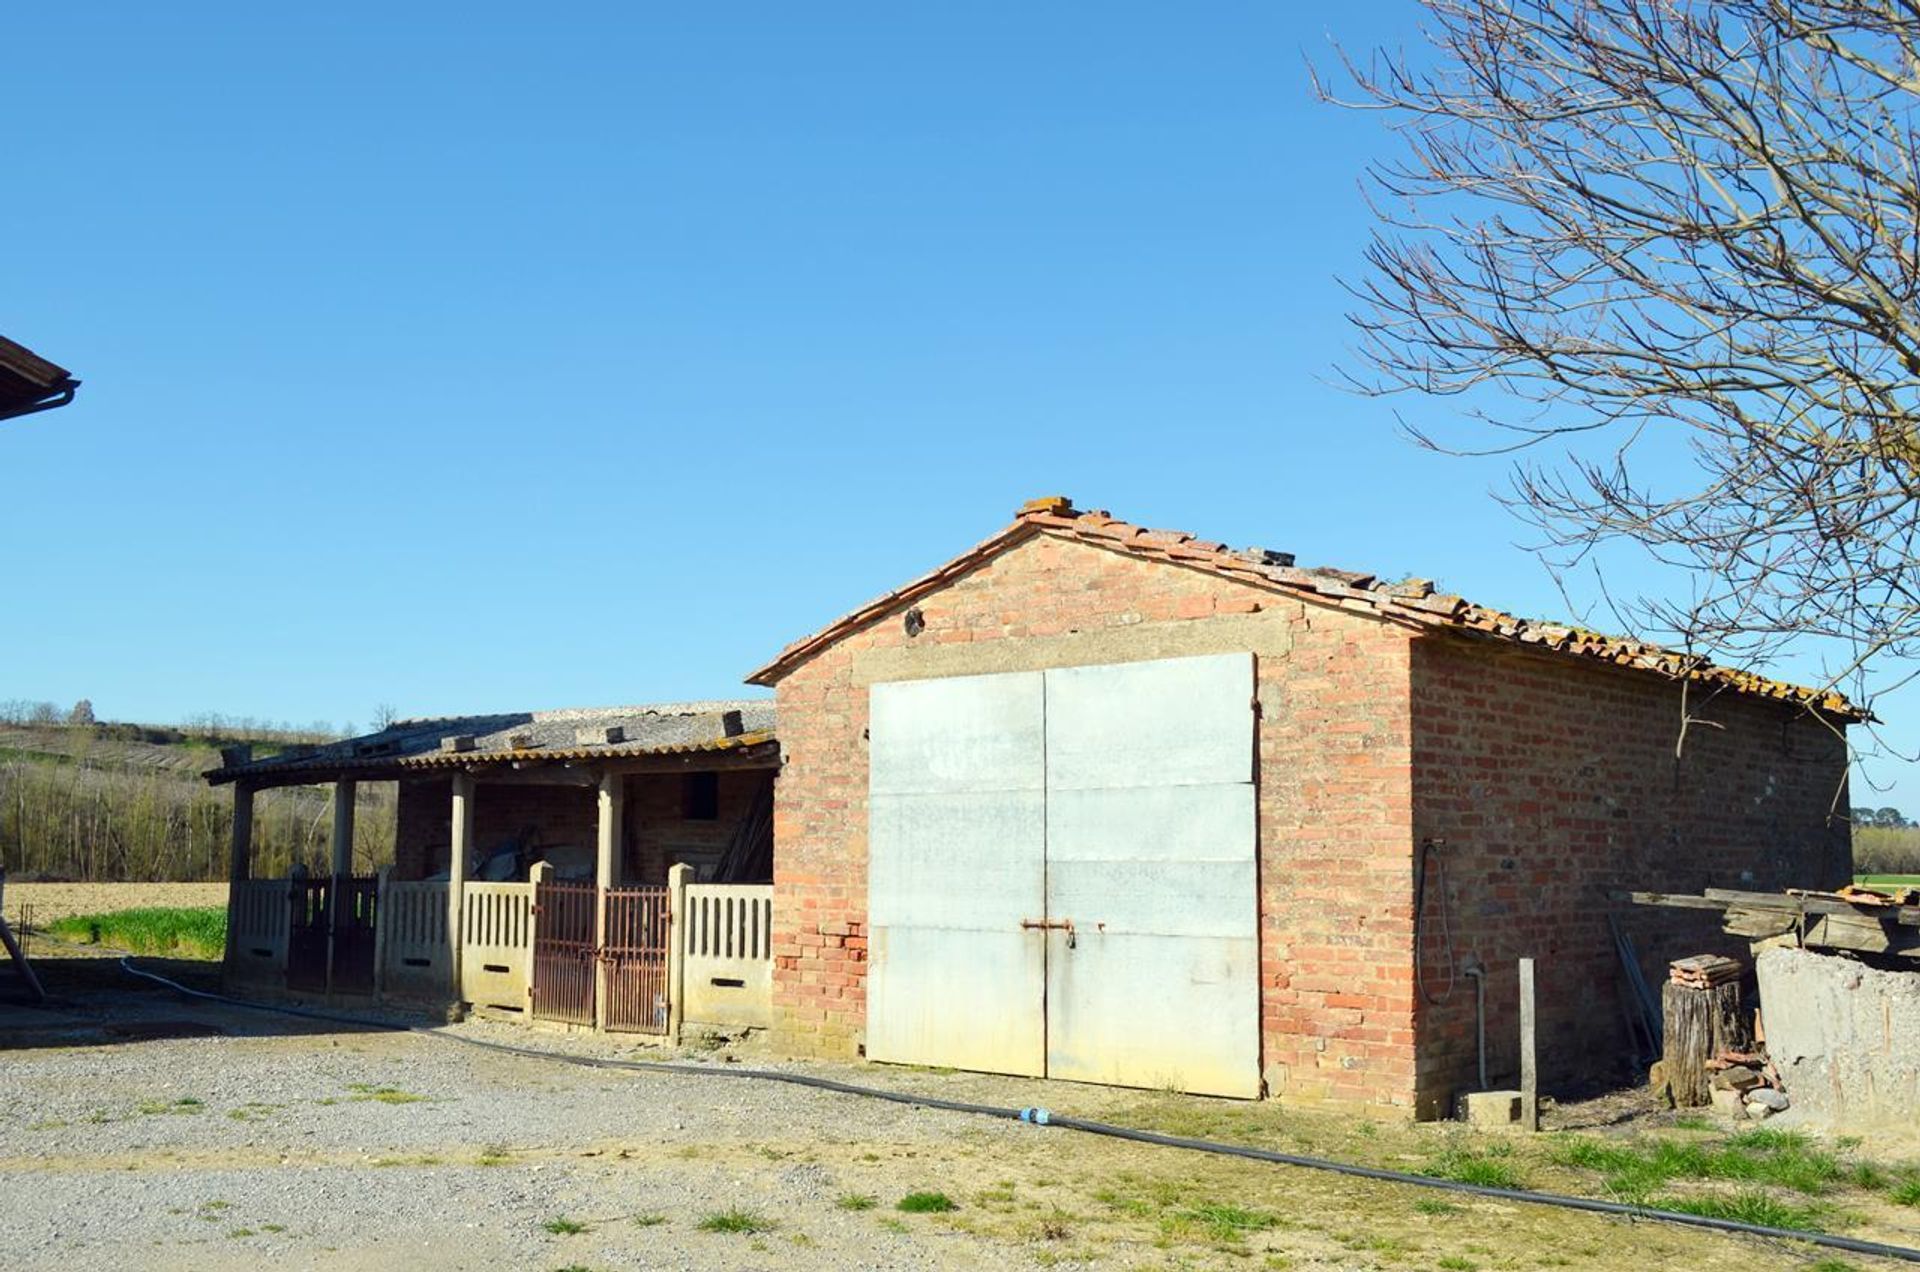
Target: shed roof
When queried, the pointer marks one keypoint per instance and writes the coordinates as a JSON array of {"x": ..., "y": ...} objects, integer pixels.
[
  {"x": 574, "y": 734},
  {"x": 1412, "y": 602},
  {"x": 28, "y": 382}
]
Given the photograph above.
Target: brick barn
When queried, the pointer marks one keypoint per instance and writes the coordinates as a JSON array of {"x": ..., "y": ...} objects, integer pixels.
[{"x": 1122, "y": 805}]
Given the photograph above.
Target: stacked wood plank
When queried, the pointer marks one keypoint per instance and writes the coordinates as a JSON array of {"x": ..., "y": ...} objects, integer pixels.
[{"x": 1857, "y": 920}]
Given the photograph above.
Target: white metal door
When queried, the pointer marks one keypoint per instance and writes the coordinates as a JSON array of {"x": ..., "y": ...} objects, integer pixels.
[
  {"x": 956, "y": 847},
  {"x": 1150, "y": 848}
]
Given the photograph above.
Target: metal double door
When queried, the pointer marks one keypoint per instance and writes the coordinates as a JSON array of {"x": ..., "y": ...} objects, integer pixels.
[{"x": 1062, "y": 876}]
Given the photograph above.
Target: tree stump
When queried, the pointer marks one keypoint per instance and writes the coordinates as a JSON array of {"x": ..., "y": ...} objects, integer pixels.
[{"x": 1700, "y": 1024}]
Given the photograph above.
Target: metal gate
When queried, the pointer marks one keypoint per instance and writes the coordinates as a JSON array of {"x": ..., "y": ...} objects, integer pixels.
[
  {"x": 635, "y": 957},
  {"x": 307, "y": 934},
  {"x": 1062, "y": 875},
  {"x": 563, "y": 952},
  {"x": 356, "y": 911}
]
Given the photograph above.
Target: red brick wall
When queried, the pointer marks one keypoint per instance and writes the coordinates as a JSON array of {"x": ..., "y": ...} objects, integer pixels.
[
  {"x": 1553, "y": 783},
  {"x": 659, "y": 834},
  {"x": 1335, "y": 809}
]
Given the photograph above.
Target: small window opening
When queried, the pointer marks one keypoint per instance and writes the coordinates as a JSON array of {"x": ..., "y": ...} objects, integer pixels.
[{"x": 701, "y": 797}]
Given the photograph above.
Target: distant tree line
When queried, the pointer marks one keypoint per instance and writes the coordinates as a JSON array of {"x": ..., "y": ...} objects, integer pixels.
[{"x": 76, "y": 802}]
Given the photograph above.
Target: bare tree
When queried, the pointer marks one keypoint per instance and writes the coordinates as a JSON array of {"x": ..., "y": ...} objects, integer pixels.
[
  {"x": 384, "y": 714},
  {"x": 1654, "y": 232}
]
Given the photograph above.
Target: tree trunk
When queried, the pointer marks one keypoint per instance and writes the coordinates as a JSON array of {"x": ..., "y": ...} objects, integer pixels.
[{"x": 1700, "y": 1023}]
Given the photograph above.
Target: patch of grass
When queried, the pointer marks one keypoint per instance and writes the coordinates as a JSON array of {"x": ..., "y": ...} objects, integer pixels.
[
  {"x": 1489, "y": 1167},
  {"x": 736, "y": 1220},
  {"x": 1225, "y": 1222},
  {"x": 1830, "y": 1265},
  {"x": 185, "y": 1104},
  {"x": 1905, "y": 1193},
  {"x": 273, "y": 1227},
  {"x": 894, "y": 1225},
  {"x": 198, "y": 932},
  {"x": 1457, "y": 1263},
  {"x": 926, "y": 1203},
  {"x": 1433, "y": 1206},
  {"x": 422, "y": 1160},
  {"x": 1635, "y": 1168},
  {"x": 241, "y": 1232},
  {"x": 856, "y": 1201},
  {"x": 1752, "y": 1206},
  {"x": 648, "y": 1221},
  {"x": 561, "y": 1226},
  {"x": 494, "y": 1155}
]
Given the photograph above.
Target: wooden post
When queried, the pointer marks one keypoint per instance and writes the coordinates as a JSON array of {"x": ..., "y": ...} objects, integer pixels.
[
  {"x": 1529, "y": 1070},
  {"x": 459, "y": 852},
  {"x": 677, "y": 879},
  {"x": 239, "y": 858},
  {"x": 606, "y": 873},
  {"x": 342, "y": 867}
]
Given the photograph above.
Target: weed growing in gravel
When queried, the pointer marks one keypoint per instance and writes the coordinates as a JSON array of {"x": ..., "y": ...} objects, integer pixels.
[
  {"x": 1431, "y": 1206},
  {"x": 185, "y": 1104},
  {"x": 241, "y": 1232},
  {"x": 648, "y": 1221},
  {"x": 893, "y": 1225},
  {"x": 856, "y": 1201},
  {"x": 252, "y": 1111},
  {"x": 1458, "y": 1263},
  {"x": 422, "y": 1160},
  {"x": 736, "y": 1220},
  {"x": 926, "y": 1203},
  {"x": 382, "y": 1094},
  {"x": 564, "y": 1227},
  {"x": 494, "y": 1155},
  {"x": 51, "y": 1124}
]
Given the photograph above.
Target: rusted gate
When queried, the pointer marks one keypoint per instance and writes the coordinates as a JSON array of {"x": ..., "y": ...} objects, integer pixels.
[
  {"x": 307, "y": 934},
  {"x": 356, "y": 914},
  {"x": 635, "y": 956},
  {"x": 563, "y": 952}
]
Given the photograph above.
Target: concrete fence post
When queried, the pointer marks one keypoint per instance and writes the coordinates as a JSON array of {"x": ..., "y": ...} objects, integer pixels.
[
  {"x": 1529, "y": 1070},
  {"x": 381, "y": 919},
  {"x": 677, "y": 879},
  {"x": 459, "y": 853},
  {"x": 542, "y": 873}
]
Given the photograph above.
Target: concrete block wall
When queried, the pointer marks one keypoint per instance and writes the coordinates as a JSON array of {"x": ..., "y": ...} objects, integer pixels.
[
  {"x": 1335, "y": 802},
  {"x": 1554, "y": 782}
]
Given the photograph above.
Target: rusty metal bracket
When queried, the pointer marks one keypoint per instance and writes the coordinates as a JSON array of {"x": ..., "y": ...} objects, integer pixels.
[{"x": 1061, "y": 925}]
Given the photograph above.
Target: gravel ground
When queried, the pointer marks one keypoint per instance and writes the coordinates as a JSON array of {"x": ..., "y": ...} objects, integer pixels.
[{"x": 295, "y": 1144}]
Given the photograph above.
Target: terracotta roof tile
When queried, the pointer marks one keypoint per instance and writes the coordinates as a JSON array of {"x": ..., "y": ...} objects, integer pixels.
[{"x": 1412, "y": 601}]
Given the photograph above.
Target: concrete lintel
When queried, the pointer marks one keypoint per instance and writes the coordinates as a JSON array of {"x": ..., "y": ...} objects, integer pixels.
[{"x": 1269, "y": 633}]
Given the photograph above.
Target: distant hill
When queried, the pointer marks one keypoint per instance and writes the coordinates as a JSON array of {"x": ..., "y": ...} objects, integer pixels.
[{"x": 110, "y": 801}]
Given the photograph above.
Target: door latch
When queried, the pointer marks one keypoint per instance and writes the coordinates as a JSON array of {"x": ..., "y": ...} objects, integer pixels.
[{"x": 1062, "y": 925}]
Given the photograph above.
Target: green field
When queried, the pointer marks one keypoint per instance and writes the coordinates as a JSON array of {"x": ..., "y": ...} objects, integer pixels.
[
  {"x": 178, "y": 932},
  {"x": 1888, "y": 880}
]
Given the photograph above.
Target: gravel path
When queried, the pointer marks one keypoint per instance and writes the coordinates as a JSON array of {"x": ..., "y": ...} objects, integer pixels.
[{"x": 296, "y": 1144}]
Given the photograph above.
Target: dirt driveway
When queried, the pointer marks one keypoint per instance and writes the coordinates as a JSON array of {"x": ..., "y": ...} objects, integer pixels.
[{"x": 275, "y": 1143}]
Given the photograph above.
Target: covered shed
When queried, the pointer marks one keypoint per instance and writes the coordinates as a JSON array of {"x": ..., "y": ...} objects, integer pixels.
[
  {"x": 532, "y": 850},
  {"x": 1097, "y": 801},
  {"x": 30, "y": 383}
]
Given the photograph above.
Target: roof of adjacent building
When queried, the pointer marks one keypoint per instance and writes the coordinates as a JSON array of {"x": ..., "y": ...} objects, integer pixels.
[
  {"x": 28, "y": 382},
  {"x": 1412, "y": 602},
  {"x": 518, "y": 737}
]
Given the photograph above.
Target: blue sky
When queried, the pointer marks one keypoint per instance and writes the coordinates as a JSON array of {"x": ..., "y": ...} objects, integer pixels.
[{"x": 473, "y": 357}]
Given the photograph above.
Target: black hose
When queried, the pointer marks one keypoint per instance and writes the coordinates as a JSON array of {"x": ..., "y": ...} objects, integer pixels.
[{"x": 1043, "y": 1117}]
